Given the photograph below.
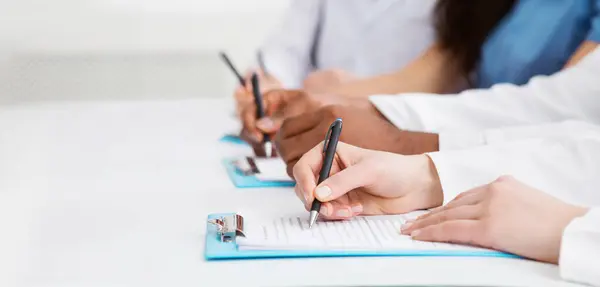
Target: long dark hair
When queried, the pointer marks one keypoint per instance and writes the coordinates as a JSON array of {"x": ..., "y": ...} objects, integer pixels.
[{"x": 462, "y": 27}]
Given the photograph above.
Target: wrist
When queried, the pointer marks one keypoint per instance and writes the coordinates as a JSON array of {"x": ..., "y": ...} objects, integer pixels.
[
  {"x": 433, "y": 195},
  {"x": 413, "y": 143}
]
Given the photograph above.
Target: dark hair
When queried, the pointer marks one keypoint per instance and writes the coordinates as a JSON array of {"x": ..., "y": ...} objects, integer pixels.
[{"x": 462, "y": 26}]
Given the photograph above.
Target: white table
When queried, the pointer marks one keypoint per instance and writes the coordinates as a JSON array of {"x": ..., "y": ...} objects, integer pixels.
[{"x": 117, "y": 193}]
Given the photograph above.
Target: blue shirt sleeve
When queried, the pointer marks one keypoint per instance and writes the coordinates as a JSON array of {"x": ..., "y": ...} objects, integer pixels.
[{"x": 594, "y": 34}]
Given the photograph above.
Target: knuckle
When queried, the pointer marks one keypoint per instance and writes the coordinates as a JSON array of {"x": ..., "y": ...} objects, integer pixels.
[
  {"x": 505, "y": 178},
  {"x": 332, "y": 110},
  {"x": 495, "y": 188}
]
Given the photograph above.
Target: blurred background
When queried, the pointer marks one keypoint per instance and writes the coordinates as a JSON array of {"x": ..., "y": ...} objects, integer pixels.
[{"x": 82, "y": 50}]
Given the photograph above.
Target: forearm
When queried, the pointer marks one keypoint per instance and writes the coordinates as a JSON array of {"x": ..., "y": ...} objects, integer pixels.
[
  {"x": 569, "y": 94},
  {"x": 430, "y": 73}
]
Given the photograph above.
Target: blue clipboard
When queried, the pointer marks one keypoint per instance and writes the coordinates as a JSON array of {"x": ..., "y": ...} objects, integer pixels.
[
  {"x": 241, "y": 180},
  {"x": 215, "y": 249},
  {"x": 233, "y": 139}
]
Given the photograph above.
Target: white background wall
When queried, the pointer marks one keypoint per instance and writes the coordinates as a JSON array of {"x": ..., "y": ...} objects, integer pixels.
[{"x": 45, "y": 44}]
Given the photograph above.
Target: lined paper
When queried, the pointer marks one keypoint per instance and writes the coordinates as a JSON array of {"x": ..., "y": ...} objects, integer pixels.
[{"x": 360, "y": 233}]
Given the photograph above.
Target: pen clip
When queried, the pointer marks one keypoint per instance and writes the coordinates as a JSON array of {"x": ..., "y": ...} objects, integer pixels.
[{"x": 327, "y": 138}]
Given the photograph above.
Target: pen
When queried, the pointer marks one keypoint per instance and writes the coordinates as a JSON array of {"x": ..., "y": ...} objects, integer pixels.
[
  {"x": 260, "y": 113},
  {"x": 232, "y": 68},
  {"x": 329, "y": 147},
  {"x": 261, "y": 63}
]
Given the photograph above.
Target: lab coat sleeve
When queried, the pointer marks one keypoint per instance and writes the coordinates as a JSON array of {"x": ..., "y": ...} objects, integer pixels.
[
  {"x": 556, "y": 165},
  {"x": 570, "y": 94},
  {"x": 579, "y": 259},
  {"x": 287, "y": 53},
  {"x": 452, "y": 140}
]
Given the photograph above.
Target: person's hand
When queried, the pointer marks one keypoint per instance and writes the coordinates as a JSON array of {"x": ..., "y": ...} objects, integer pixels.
[
  {"x": 321, "y": 80},
  {"x": 363, "y": 127},
  {"x": 243, "y": 94},
  {"x": 367, "y": 182},
  {"x": 505, "y": 215},
  {"x": 280, "y": 105}
]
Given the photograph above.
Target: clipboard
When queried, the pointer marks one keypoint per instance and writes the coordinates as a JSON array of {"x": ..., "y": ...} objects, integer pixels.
[
  {"x": 233, "y": 139},
  {"x": 243, "y": 171},
  {"x": 223, "y": 229}
]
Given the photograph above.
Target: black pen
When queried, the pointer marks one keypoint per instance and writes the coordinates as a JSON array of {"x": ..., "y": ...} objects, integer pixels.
[
  {"x": 260, "y": 113},
  {"x": 329, "y": 147},
  {"x": 232, "y": 68},
  {"x": 261, "y": 63}
]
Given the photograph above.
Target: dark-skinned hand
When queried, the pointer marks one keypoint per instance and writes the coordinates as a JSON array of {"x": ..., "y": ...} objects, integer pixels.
[{"x": 363, "y": 126}]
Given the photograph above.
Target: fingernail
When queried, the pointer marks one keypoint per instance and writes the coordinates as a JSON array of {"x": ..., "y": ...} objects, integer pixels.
[
  {"x": 357, "y": 208},
  {"x": 406, "y": 226},
  {"x": 415, "y": 233},
  {"x": 343, "y": 213},
  {"x": 409, "y": 221},
  {"x": 323, "y": 192},
  {"x": 265, "y": 123}
]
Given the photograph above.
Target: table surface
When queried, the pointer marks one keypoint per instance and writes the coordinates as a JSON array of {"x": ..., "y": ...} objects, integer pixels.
[{"x": 117, "y": 194}]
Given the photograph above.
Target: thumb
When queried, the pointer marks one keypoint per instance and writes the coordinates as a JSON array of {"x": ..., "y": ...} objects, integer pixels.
[
  {"x": 270, "y": 124},
  {"x": 343, "y": 182}
]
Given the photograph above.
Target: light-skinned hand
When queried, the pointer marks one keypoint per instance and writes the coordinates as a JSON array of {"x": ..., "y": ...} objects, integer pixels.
[
  {"x": 366, "y": 182},
  {"x": 364, "y": 127},
  {"x": 505, "y": 215},
  {"x": 243, "y": 94}
]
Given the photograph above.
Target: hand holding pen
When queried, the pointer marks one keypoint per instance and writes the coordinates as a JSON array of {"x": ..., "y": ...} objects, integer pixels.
[
  {"x": 329, "y": 149},
  {"x": 365, "y": 182},
  {"x": 260, "y": 113}
]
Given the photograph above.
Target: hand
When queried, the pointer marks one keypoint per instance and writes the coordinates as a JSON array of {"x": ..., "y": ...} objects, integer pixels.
[
  {"x": 363, "y": 127},
  {"x": 505, "y": 215},
  {"x": 367, "y": 182},
  {"x": 280, "y": 105},
  {"x": 243, "y": 94},
  {"x": 319, "y": 81}
]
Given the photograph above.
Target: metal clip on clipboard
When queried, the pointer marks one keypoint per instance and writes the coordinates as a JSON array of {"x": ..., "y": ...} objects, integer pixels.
[
  {"x": 246, "y": 165},
  {"x": 229, "y": 226}
]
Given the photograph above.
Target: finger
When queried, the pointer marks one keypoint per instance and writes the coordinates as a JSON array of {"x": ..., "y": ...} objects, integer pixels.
[
  {"x": 249, "y": 123},
  {"x": 306, "y": 170},
  {"x": 352, "y": 177},
  {"x": 250, "y": 137},
  {"x": 470, "y": 212},
  {"x": 299, "y": 124},
  {"x": 472, "y": 191},
  {"x": 293, "y": 148},
  {"x": 301, "y": 195},
  {"x": 336, "y": 211},
  {"x": 269, "y": 125},
  {"x": 457, "y": 231},
  {"x": 470, "y": 199}
]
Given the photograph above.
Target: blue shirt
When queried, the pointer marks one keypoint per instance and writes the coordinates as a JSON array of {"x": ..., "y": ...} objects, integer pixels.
[{"x": 537, "y": 37}]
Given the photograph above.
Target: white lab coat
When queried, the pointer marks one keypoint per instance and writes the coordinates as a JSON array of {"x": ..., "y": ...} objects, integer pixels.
[
  {"x": 546, "y": 133},
  {"x": 363, "y": 37}
]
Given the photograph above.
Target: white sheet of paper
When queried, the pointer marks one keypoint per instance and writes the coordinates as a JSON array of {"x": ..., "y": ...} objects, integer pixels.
[
  {"x": 360, "y": 233},
  {"x": 271, "y": 169}
]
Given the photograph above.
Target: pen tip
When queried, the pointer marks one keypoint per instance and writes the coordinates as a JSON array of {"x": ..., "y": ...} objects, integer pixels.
[
  {"x": 268, "y": 149},
  {"x": 312, "y": 219}
]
